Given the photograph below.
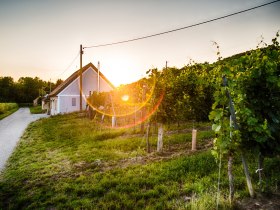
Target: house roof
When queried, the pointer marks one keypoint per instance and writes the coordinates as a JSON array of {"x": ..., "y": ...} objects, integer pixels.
[
  {"x": 74, "y": 76},
  {"x": 36, "y": 99}
]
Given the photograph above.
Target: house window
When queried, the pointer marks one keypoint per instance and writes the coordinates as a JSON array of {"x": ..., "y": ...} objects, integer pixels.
[{"x": 73, "y": 101}]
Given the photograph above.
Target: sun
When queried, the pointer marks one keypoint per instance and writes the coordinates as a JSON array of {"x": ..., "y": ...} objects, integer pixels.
[
  {"x": 122, "y": 71},
  {"x": 125, "y": 97}
]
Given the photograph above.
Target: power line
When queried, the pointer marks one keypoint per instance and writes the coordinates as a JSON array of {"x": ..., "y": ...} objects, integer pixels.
[
  {"x": 69, "y": 64},
  {"x": 182, "y": 28}
]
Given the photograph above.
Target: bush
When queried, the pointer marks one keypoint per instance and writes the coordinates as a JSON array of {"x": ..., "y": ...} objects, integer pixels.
[{"x": 7, "y": 109}]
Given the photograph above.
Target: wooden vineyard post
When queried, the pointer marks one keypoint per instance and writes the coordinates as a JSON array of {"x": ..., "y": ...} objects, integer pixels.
[
  {"x": 244, "y": 163},
  {"x": 194, "y": 134},
  {"x": 160, "y": 138},
  {"x": 147, "y": 137},
  {"x": 114, "y": 120},
  {"x": 230, "y": 177}
]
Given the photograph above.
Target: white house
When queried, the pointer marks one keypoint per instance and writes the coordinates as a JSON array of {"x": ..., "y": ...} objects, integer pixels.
[{"x": 66, "y": 97}]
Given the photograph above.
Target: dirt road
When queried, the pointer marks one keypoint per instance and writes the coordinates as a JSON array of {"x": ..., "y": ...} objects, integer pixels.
[{"x": 11, "y": 129}]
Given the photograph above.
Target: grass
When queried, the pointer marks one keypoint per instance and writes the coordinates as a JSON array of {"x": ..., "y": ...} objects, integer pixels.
[
  {"x": 68, "y": 162},
  {"x": 36, "y": 110},
  {"x": 7, "y": 109},
  {"x": 189, "y": 125}
]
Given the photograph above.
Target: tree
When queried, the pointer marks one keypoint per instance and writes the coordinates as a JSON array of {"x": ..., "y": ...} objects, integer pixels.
[
  {"x": 7, "y": 89},
  {"x": 28, "y": 89}
]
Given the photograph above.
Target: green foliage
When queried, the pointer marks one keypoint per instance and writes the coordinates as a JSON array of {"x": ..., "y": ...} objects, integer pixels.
[
  {"x": 36, "y": 110},
  {"x": 187, "y": 93},
  {"x": 7, "y": 90},
  {"x": 7, "y": 109},
  {"x": 245, "y": 113},
  {"x": 253, "y": 84},
  {"x": 25, "y": 90},
  {"x": 127, "y": 103},
  {"x": 168, "y": 96}
]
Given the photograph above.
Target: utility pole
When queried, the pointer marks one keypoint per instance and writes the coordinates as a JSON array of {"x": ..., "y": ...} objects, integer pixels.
[
  {"x": 81, "y": 77},
  {"x": 50, "y": 85}
]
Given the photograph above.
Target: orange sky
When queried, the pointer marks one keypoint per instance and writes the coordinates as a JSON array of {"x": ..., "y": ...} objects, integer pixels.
[{"x": 41, "y": 38}]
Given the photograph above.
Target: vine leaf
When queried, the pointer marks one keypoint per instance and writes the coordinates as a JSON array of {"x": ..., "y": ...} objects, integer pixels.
[{"x": 216, "y": 127}]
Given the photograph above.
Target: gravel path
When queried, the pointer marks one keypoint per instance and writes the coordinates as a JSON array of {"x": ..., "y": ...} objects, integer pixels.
[{"x": 11, "y": 129}]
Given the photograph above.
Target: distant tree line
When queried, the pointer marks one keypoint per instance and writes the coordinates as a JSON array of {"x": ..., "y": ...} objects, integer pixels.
[{"x": 25, "y": 90}]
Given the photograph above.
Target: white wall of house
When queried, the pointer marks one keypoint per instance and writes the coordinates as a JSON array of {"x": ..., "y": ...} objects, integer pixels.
[
  {"x": 45, "y": 104},
  {"x": 90, "y": 82},
  {"x": 53, "y": 105},
  {"x": 68, "y": 100}
]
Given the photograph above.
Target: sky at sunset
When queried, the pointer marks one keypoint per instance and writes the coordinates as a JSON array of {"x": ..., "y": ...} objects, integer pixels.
[{"x": 42, "y": 37}]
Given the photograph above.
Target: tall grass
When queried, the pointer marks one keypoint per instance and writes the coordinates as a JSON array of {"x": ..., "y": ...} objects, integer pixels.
[{"x": 7, "y": 109}]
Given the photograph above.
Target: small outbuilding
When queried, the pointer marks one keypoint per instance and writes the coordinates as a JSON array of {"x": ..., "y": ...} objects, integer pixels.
[
  {"x": 66, "y": 97},
  {"x": 36, "y": 101}
]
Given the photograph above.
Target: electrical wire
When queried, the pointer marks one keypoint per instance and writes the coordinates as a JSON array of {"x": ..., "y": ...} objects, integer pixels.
[
  {"x": 69, "y": 64},
  {"x": 182, "y": 28}
]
